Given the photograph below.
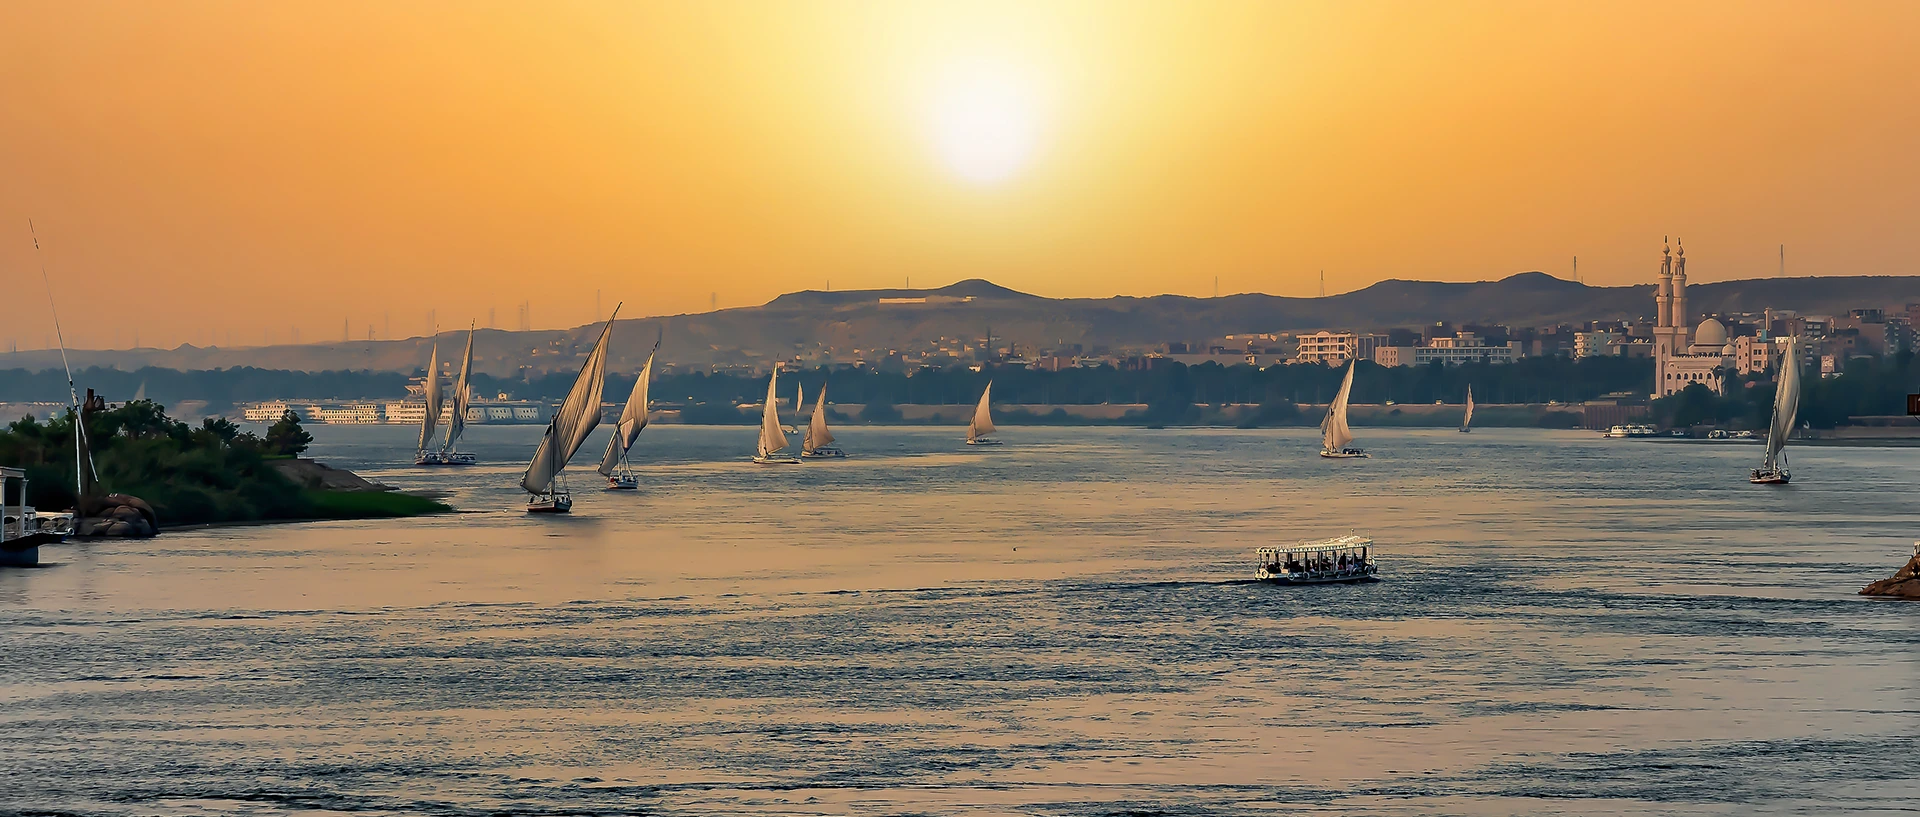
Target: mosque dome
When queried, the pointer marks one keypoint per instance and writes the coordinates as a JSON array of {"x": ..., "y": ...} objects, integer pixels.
[{"x": 1710, "y": 333}]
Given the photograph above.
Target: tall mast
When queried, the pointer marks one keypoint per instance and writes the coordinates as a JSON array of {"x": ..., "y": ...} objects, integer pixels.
[{"x": 73, "y": 394}]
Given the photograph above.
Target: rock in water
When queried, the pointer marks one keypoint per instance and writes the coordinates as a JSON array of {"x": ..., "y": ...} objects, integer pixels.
[
  {"x": 116, "y": 515},
  {"x": 1904, "y": 584}
]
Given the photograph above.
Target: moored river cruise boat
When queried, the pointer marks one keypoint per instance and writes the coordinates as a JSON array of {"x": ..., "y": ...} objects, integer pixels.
[{"x": 1342, "y": 560}]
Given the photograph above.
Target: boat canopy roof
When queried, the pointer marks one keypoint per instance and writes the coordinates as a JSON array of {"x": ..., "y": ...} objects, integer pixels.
[{"x": 1348, "y": 542}]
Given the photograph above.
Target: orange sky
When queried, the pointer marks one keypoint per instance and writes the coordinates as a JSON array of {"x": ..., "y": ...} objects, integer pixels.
[{"x": 259, "y": 167}]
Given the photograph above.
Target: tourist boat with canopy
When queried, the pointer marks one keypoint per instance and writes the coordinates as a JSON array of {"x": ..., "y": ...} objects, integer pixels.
[
  {"x": 457, "y": 420},
  {"x": 982, "y": 423},
  {"x": 818, "y": 444},
  {"x": 772, "y": 439},
  {"x": 1786, "y": 409},
  {"x": 577, "y": 416},
  {"x": 1466, "y": 423},
  {"x": 633, "y": 419},
  {"x": 1336, "y": 436},
  {"x": 1342, "y": 560}
]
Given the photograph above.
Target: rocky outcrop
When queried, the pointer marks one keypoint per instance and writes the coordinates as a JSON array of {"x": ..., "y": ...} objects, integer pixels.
[
  {"x": 1904, "y": 584},
  {"x": 323, "y": 477},
  {"x": 116, "y": 515}
]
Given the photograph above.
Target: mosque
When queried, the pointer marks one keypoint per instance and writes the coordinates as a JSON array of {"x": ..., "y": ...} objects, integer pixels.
[{"x": 1682, "y": 358}]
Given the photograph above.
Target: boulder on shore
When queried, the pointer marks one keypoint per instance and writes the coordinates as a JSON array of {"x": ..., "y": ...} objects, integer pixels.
[
  {"x": 116, "y": 515},
  {"x": 1904, "y": 584},
  {"x": 321, "y": 476}
]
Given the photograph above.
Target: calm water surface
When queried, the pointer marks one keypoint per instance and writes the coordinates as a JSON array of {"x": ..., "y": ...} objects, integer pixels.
[{"x": 1061, "y": 626}]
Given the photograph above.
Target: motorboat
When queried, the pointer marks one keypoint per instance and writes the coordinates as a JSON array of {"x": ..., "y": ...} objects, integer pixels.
[
  {"x": 1341, "y": 560},
  {"x": 1618, "y": 433}
]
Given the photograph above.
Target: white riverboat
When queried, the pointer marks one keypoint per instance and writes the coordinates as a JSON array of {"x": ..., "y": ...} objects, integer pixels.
[{"x": 1342, "y": 560}]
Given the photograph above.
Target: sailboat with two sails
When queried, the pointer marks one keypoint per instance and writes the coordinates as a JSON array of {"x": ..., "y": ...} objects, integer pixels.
[
  {"x": 773, "y": 440},
  {"x": 982, "y": 423},
  {"x": 633, "y": 419},
  {"x": 1466, "y": 423},
  {"x": 577, "y": 416},
  {"x": 457, "y": 421},
  {"x": 1786, "y": 410},
  {"x": 1335, "y": 436},
  {"x": 818, "y": 444}
]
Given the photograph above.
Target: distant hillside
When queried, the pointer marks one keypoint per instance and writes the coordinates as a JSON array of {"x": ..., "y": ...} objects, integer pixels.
[{"x": 859, "y": 320}]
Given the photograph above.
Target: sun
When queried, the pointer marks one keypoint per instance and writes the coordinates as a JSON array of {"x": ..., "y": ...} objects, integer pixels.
[{"x": 984, "y": 121}]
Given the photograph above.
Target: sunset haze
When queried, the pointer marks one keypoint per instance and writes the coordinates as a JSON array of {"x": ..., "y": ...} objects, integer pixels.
[{"x": 200, "y": 169}]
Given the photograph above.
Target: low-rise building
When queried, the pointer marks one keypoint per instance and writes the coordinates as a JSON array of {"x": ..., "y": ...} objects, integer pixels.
[
  {"x": 1463, "y": 347},
  {"x": 1335, "y": 348}
]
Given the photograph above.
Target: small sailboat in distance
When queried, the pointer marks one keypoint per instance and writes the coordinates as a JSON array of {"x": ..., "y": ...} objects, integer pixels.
[
  {"x": 572, "y": 422},
  {"x": 457, "y": 420},
  {"x": 982, "y": 423},
  {"x": 1335, "y": 435},
  {"x": 1786, "y": 410},
  {"x": 818, "y": 444},
  {"x": 772, "y": 439},
  {"x": 1466, "y": 423},
  {"x": 614, "y": 465},
  {"x": 424, "y": 454}
]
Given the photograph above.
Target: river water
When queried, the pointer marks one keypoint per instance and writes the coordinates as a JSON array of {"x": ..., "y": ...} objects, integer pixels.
[{"x": 1061, "y": 626}]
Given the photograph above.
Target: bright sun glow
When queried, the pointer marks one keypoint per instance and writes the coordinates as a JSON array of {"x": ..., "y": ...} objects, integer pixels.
[{"x": 984, "y": 120}]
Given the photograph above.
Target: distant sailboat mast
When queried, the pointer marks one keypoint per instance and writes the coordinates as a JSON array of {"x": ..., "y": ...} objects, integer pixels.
[
  {"x": 633, "y": 418},
  {"x": 577, "y": 416},
  {"x": 462, "y": 395},
  {"x": 982, "y": 423},
  {"x": 434, "y": 399},
  {"x": 1786, "y": 407}
]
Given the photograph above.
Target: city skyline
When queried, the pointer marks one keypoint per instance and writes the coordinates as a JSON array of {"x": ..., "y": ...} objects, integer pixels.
[{"x": 256, "y": 170}]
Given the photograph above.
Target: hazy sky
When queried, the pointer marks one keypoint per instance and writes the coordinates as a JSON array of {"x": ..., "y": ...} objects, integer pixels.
[{"x": 203, "y": 168}]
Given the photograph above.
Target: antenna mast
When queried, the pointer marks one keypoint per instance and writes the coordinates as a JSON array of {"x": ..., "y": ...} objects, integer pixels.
[
  {"x": 1576, "y": 270},
  {"x": 1323, "y": 283},
  {"x": 73, "y": 394}
]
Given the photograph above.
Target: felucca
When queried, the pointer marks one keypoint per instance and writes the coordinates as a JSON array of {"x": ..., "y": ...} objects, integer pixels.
[
  {"x": 572, "y": 422},
  {"x": 1786, "y": 410},
  {"x": 1335, "y": 435},
  {"x": 772, "y": 439},
  {"x": 982, "y": 423},
  {"x": 1466, "y": 423},
  {"x": 456, "y": 421},
  {"x": 423, "y": 453},
  {"x": 614, "y": 465},
  {"x": 818, "y": 443}
]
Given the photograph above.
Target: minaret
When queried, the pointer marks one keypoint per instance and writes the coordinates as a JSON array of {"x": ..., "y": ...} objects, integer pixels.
[
  {"x": 1680, "y": 294},
  {"x": 1663, "y": 294}
]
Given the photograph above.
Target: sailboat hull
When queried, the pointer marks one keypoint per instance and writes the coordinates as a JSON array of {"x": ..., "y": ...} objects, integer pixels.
[
  {"x": 1762, "y": 476},
  {"x": 1347, "y": 454},
  {"x": 776, "y": 459},
  {"x": 824, "y": 454},
  {"x": 561, "y": 503},
  {"x": 623, "y": 482},
  {"x": 983, "y": 441},
  {"x": 1466, "y": 431}
]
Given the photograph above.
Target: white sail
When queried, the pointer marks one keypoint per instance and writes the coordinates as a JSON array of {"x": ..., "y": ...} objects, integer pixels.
[
  {"x": 633, "y": 418},
  {"x": 433, "y": 398},
  {"x": 1335, "y": 433},
  {"x": 1786, "y": 403},
  {"x": 573, "y": 421},
  {"x": 982, "y": 423},
  {"x": 462, "y": 394},
  {"x": 1467, "y": 421},
  {"x": 817, "y": 433},
  {"x": 771, "y": 438}
]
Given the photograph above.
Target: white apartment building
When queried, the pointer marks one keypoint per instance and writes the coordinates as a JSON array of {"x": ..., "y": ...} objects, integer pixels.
[
  {"x": 1463, "y": 347},
  {"x": 1335, "y": 348},
  {"x": 1597, "y": 344}
]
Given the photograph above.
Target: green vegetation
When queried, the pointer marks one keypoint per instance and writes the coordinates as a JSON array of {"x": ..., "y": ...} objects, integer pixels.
[{"x": 212, "y": 473}]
